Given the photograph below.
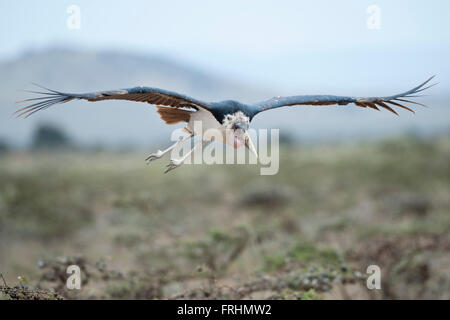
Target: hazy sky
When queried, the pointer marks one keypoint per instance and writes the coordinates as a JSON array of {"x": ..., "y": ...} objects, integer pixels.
[
  {"x": 282, "y": 47},
  {"x": 278, "y": 43}
]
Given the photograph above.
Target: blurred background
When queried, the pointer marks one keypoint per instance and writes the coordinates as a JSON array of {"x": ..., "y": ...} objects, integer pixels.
[{"x": 355, "y": 187}]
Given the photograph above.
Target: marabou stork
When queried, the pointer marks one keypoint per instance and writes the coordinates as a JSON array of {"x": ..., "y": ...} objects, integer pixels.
[{"x": 230, "y": 117}]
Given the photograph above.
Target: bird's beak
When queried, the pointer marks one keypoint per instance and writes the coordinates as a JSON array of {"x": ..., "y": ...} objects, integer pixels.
[{"x": 249, "y": 144}]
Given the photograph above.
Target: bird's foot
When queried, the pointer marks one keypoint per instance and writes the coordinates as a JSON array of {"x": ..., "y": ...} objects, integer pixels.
[
  {"x": 173, "y": 164},
  {"x": 158, "y": 154}
]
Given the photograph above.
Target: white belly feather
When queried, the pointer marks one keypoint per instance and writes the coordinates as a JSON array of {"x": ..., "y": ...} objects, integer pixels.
[{"x": 206, "y": 122}]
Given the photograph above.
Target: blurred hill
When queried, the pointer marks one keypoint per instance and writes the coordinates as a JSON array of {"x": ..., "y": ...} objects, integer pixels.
[
  {"x": 113, "y": 122},
  {"x": 118, "y": 123}
]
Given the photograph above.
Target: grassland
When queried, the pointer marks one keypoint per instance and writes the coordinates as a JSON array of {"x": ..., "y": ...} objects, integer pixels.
[{"x": 224, "y": 231}]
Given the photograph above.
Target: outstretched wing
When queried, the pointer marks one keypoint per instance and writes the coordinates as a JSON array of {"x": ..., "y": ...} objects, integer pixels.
[
  {"x": 141, "y": 94},
  {"x": 323, "y": 100}
]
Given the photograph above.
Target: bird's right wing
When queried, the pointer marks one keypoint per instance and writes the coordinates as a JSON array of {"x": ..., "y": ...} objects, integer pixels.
[
  {"x": 140, "y": 94},
  {"x": 397, "y": 100}
]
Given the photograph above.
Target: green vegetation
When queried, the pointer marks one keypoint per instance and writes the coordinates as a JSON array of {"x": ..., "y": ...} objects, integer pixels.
[{"x": 308, "y": 232}]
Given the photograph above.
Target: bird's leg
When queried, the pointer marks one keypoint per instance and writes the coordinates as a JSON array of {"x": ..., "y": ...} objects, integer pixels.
[
  {"x": 175, "y": 163},
  {"x": 158, "y": 154}
]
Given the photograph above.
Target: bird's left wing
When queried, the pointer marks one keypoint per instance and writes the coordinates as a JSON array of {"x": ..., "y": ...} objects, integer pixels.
[
  {"x": 140, "y": 94},
  {"x": 323, "y": 100}
]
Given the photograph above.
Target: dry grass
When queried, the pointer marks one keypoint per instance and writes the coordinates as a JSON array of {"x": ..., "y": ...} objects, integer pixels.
[{"x": 225, "y": 231}]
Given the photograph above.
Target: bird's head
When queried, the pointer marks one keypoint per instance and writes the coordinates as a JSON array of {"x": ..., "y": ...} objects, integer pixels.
[{"x": 236, "y": 130}]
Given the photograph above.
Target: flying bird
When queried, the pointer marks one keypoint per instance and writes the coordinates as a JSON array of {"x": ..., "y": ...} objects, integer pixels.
[{"x": 231, "y": 118}]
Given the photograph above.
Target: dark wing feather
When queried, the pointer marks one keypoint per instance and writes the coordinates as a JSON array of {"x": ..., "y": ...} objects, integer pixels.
[
  {"x": 365, "y": 102},
  {"x": 140, "y": 94}
]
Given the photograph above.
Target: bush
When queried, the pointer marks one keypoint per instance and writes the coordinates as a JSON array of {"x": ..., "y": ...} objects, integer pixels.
[
  {"x": 4, "y": 146},
  {"x": 50, "y": 137}
]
